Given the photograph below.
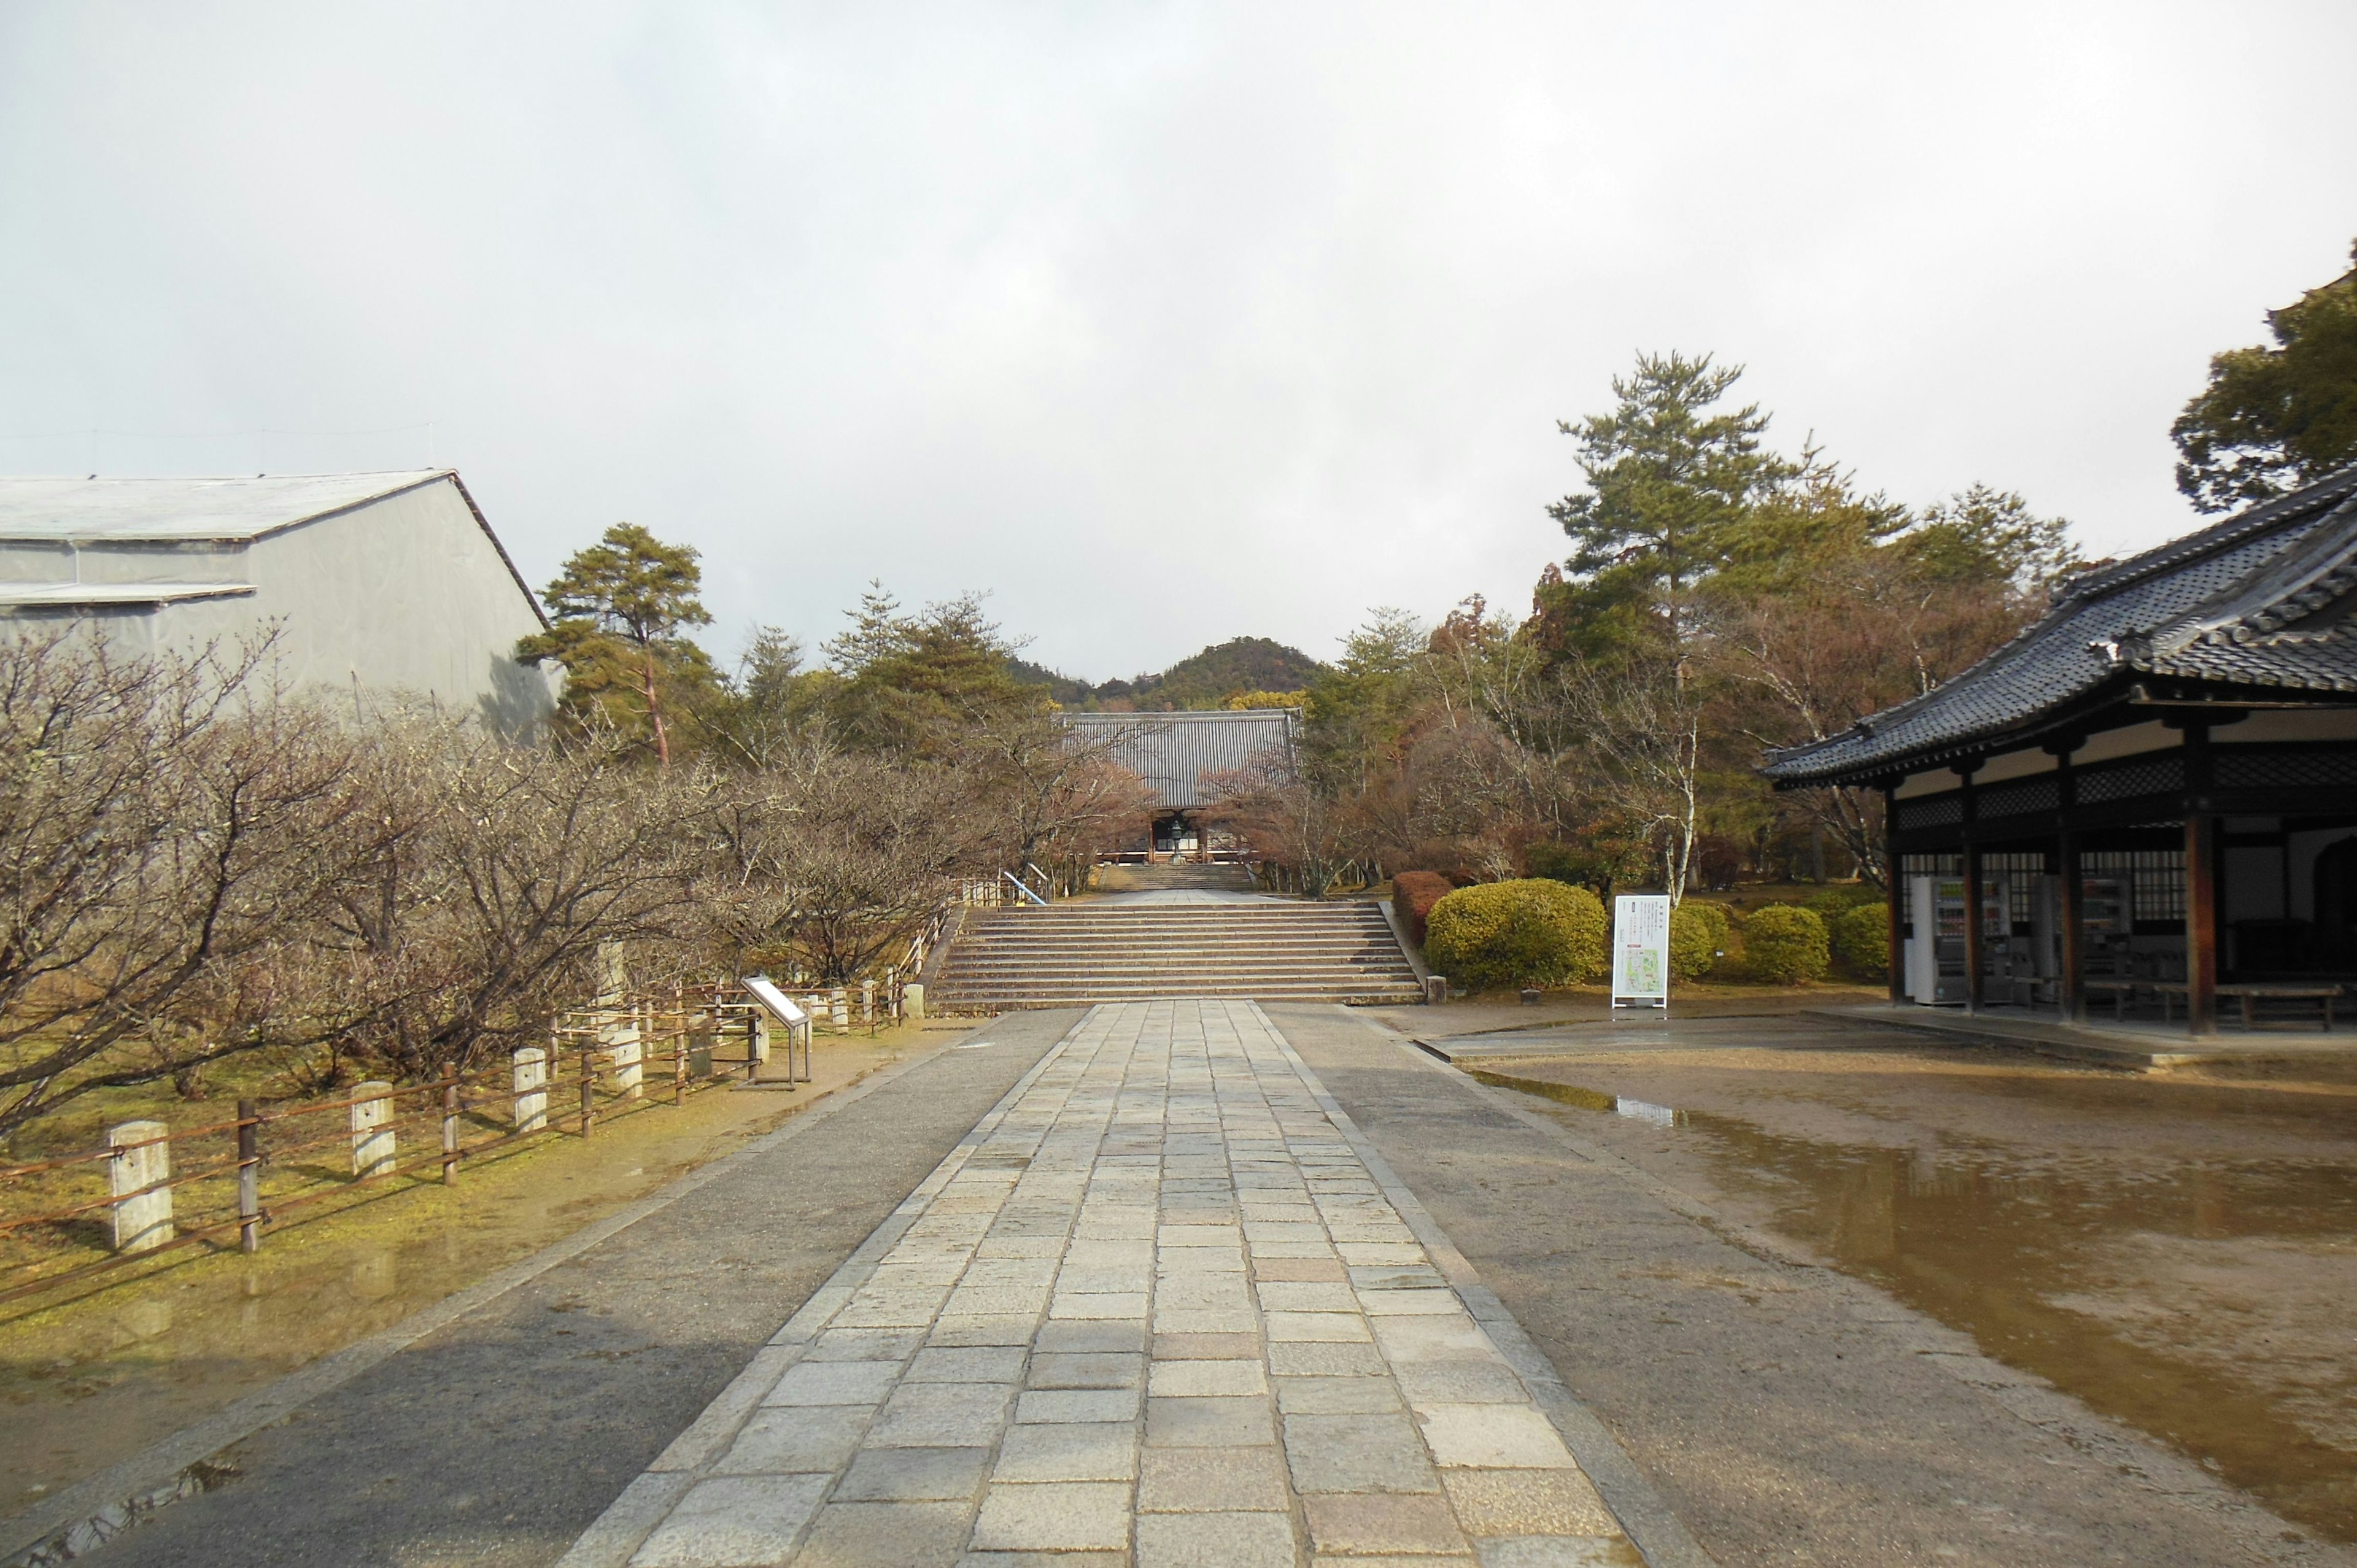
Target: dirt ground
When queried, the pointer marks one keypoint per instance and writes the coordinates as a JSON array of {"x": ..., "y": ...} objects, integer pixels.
[{"x": 91, "y": 1379}]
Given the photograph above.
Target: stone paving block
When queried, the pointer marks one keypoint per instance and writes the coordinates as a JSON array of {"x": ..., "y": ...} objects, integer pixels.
[
  {"x": 892, "y": 1309},
  {"x": 1099, "y": 1305},
  {"x": 1461, "y": 1382},
  {"x": 1202, "y": 1320},
  {"x": 1400, "y": 1524},
  {"x": 1206, "y": 1480},
  {"x": 1312, "y": 1358},
  {"x": 1527, "y": 1502},
  {"x": 1077, "y": 1404},
  {"x": 1084, "y": 1369},
  {"x": 865, "y": 1344},
  {"x": 977, "y": 1301},
  {"x": 1558, "y": 1552},
  {"x": 1453, "y": 1339},
  {"x": 1307, "y": 1296},
  {"x": 733, "y": 1521},
  {"x": 1109, "y": 1337},
  {"x": 1384, "y": 1560},
  {"x": 1283, "y": 1230},
  {"x": 912, "y": 1475},
  {"x": 1362, "y": 1453},
  {"x": 1043, "y": 1241},
  {"x": 1209, "y": 1423},
  {"x": 943, "y": 1415},
  {"x": 1499, "y": 1436},
  {"x": 1010, "y": 1271},
  {"x": 1336, "y": 1396},
  {"x": 1221, "y": 1290},
  {"x": 1223, "y": 1234},
  {"x": 1053, "y": 1516},
  {"x": 796, "y": 1437},
  {"x": 1206, "y": 1347},
  {"x": 1325, "y": 1327},
  {"x": 1001, "y": 1329},
  {"x": 835, "y": 1383},
  {"x": 1410, "y": 1303},
  {"x": 1175, "y": 1380},
  {"x": 1215, "y": 1541},
  {"x": 1396, "y": 1276},
  {"x": 1292, "y": 1250},
  {"x": 968, "y": 1364},
  {"x": 1313, "y": 1270},
  {"x": 1072, "y": 1451},
  {"x": 1375, "y": 1253}
]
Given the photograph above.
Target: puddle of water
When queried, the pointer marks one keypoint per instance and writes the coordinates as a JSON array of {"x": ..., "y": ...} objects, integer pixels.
[{"x": 2181, "y": 1258}]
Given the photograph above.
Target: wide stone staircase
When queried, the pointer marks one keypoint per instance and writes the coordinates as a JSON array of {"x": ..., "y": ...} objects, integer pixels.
[{"x": 1275, "y": 951}]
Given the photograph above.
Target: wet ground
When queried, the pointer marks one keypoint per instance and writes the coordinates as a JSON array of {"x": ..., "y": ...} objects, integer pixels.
[
  {"x": 2178, "y": 1252},
  {"x": 93, "y": 1380}
]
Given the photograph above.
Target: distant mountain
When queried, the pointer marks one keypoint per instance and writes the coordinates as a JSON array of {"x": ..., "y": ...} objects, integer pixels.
[{"x": 1205, "y": 680}]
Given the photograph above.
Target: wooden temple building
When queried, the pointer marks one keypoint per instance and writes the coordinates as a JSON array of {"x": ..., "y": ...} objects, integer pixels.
[
  {"x": 2149, "y": 796},
  {"x": 1180, "y": 756}
]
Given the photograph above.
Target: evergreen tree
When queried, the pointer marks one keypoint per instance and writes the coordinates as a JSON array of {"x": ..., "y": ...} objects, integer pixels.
[
  {"x": 2272, "y": 420},
  {"x": 1670, "y": 477},
  {"x": 622, "y": 608}
]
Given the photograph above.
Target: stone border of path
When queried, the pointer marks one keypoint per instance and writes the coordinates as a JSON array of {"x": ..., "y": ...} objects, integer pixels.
[
  {"x": 98, "y": 1508},
  {"x": 2029, "y": 1398},
  {"x": 1656, "y": 1532}
]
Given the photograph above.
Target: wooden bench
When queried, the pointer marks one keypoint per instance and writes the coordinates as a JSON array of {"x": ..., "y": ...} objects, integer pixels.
[{"x": 2250, "y": 995}]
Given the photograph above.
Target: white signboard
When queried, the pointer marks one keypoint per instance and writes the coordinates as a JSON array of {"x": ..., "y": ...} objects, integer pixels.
[
  {"x": 780, "y": 1006},
  {"x": 1640, "y": 949}
]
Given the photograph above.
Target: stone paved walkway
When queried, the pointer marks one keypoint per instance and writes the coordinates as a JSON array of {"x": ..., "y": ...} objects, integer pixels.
[{"x": 1155, "y": 1310}]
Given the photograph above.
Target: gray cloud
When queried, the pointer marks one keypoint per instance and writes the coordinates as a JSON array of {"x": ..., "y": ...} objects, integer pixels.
[{"x": 1162, "y": 323}]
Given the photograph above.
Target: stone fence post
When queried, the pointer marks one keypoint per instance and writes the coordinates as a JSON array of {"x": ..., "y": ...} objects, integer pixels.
[
  {"x": 912, "y": 1001},
  {"x": 838, "y": 1010},
  {"x": 531, "y": 1084},
  {"x": 372, "y": 1135},
  {"x": 142, "y": 1219},
  {"x": 628, "y": 1053}
]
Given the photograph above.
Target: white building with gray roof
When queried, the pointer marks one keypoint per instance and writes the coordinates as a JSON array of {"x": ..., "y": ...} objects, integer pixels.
[
  {"x": 1181, "y": 755},
  {"x": 373, "y": 583}
]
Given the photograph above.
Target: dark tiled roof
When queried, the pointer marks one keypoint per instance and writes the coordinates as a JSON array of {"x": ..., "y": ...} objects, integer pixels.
[
  {"x": 1172, "y": 752},
  {"x": 2257, "y": 599}
]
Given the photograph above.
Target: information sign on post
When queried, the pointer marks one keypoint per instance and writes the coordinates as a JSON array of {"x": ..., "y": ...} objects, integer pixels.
[{"x": 1641, "y": 950}]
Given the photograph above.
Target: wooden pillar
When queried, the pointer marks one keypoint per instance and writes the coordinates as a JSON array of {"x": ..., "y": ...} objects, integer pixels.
[
  {"x": 2202, "y": 922},
  {"x": 2201, "y": 881},
  {"x": 1975, "y": 939},
  {"x": 2070, "y": 993},
  {"x": 1898, "y": 889}
]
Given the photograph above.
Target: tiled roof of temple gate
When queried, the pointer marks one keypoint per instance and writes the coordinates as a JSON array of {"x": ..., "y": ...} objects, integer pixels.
[
  {"x": 2263, "y": 598},
  {"x": 1174, "y": 752}
]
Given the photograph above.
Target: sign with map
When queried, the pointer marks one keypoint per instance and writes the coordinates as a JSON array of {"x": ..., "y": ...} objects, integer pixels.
[{"x": 1640, "y": 949}]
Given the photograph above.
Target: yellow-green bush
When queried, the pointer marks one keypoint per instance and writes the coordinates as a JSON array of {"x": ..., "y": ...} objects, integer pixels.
[
  {"x": 1784, "y": 944},
  {"x": 1862, "y": 938},
  {"x": 1533, "y": 932},
  {"x": 1697, "y": 936}
]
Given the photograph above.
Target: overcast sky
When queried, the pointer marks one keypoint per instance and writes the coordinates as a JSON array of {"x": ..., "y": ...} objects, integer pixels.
[{"x": 1161, "y": 323}]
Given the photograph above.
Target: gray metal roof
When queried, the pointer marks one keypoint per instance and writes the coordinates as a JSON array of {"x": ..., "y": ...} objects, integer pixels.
[
  {"x": 2260, "y": 599},
  {"x": 163, "y": 510},
  {"x": 1172, "y": 752},
  {"x": 79, "y": 596}
]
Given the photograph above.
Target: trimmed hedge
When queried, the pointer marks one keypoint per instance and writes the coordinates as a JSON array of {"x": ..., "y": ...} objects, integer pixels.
[
  {"x": 1413, "y": 893},
  {"x": 1529, "y": 932},
  {"x": 1862, "y": 939},
  {"x": 1698, "y": 935},
  {"x": 1784, "y": 945}
]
